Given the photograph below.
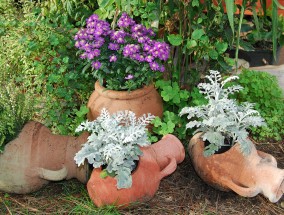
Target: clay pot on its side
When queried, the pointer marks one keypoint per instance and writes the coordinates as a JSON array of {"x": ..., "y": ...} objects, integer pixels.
[
  {"x": 140, "y": 101},
  {"x": 158, "y": 160},
  {"x": 246, "y": 175},
  {"x": 36, "y": 157}
]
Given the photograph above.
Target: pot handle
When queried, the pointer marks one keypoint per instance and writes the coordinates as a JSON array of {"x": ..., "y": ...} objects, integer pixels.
[
  {"x": 169, "y": 169},
  {"x": 241, "y": 190},
  {"x": 53, "y": 175}
]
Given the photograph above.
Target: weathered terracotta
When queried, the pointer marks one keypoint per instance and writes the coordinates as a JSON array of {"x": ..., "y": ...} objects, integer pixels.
[
  {"x": 246, "y": 175},
  {"x": 158, "y": 161},
  {"x": 140, "y": 101},
  {"x": 36, "y": 157}
]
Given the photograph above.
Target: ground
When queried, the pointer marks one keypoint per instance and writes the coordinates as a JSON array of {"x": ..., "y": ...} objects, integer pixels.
[{"x": 181, "y": 193}]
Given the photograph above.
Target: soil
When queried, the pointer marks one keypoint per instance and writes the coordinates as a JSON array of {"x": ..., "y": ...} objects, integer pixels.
[{"x": 181, "y": 193}]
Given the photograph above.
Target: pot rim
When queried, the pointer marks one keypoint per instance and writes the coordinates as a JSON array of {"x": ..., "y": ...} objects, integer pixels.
[
  {"x": 235, "y": 146},
  {"x": 123, "y": 95}
]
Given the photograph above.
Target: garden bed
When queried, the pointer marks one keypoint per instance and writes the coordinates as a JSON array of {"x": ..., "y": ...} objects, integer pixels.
[{"x": 181, "y": 193}]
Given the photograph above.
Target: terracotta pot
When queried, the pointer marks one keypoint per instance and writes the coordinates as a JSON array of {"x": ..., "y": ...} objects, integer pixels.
[
  {"x": 36, "y": 157},
  {"x": 246, "y": 175},
  {"x": 158, "y": 160},
  {"x": 140, "y": 101}
]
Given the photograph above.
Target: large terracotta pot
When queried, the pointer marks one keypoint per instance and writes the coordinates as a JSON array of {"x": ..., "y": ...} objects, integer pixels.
[
  {"x": 140, "y": 101},
  {"x": 36, "y": 157},
  {"x": 246, "y": 175},
  {"x": 158, "y": 160}
]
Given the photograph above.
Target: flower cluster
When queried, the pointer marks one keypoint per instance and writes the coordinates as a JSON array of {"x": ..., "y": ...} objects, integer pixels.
[{"x": 124, "y": 58}]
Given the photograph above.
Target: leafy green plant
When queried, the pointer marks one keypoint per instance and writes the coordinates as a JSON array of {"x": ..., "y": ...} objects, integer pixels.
[
  {"x": 174, "y": 100},
  {"x": 147, "y": 12},
  {"x": 200, "y": 34},
  {"x": 38, "y": 54},
  {"x": 262, "y": 89},
  {"x": 76, "y": 10},
  {"x": 114, "y": 141},
  {"x": 16, "y": 108},
  {"x": 222, "y": 118}
]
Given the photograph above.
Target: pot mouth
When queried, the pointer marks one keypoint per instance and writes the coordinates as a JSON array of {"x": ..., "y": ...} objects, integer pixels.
[
  {"x": 228, "y": 144},
  {"x": 123, "y": 95}
]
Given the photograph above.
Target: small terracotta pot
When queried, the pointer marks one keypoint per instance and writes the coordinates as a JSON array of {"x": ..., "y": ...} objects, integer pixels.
[
  {"x": 140, "y": 101},
  {"x": 158, "y": 161},
  {"x": 246, "y": 175},
  {"x": 36, "y": 157}
]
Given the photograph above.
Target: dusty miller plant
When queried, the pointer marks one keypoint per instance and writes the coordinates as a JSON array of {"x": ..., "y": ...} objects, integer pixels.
[
  {"x": 114, "y": 142},
  {"x": 222, "y": 117}
]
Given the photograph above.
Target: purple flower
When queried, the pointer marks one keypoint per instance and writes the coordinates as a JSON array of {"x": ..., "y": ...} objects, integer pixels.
[
  {"x": 83, "y": 56},
  {"x": 129, "y": 77},
  {"x": 96, "y": 64},
  {"x": 154, "y": 66},
  {"x": 92, "y": 18},
  {"x": 149, "y": 58},
  {"x": 162, "y": 68},
  {"x": 96, "y": 52},
  {"x": 147, "y": 48},
  {"x": 125, "y": 21},
  {"x": 90, "y": 55},
  {"x": 113, "y": 46},
  {"x": 118, "y": 36},
  {"x": 113, "y": 58},
  {"x": 98, "y": 43}
]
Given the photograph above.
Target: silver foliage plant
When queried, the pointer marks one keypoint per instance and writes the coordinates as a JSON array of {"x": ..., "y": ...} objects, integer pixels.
[
  {"x": 222, "y": 117},
  {"x": 114, "y": 141}
]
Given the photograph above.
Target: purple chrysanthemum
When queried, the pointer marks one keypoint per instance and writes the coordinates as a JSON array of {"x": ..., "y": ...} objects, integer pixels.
[
  {"x": 125, "y": 21},
  {"x": 162, "y": 68},
  {"x": 113, "y": 58},
  {"x": 129, "y": 77},
  {"x": 118, "y": 36},
  {"x": 96, "y": 64},
  {"x": 154, "y": 66},
  {"x": 149, "y": 58},
  {"x": 83, "y": 56},
  {"x": 113, "y": 46}
]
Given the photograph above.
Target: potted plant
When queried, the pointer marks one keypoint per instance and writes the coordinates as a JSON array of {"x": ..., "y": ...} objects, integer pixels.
[
  {"x": 127, "y": 167},
  {"x": 31, "y": 155},
  {"x": 223, "y": 122},
  {"x": 124, "y": 57}
]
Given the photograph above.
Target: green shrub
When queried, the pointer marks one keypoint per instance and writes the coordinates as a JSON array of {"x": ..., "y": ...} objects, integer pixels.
[
  {"x": 38, "y": 54},
  {"x": 262, "y": 89},
  {"x": 16, "y": 109}
]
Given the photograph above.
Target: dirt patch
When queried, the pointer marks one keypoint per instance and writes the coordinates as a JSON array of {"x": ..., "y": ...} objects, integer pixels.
[{"x": 181, "y": 193}]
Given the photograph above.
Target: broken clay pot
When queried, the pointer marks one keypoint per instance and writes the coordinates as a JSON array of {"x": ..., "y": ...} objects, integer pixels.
[
  {"x": 246, "y": 175},
  {"x": 158, "y": 161},
  {"x": 36, "y": 157}
]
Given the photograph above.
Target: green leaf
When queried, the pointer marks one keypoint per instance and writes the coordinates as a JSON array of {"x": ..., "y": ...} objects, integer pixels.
[
  {"x": 221, "y": 47},
  {"x": 104, "y": 174},
  {"x": 213, "y": 54},
  {"x": 175, "y": 39},
  {"x": 195, "y": 3},
  {"x": 230, "y": 4},
  {"x": 197, "y": 34},
  {"x": 191, "y": 44}
]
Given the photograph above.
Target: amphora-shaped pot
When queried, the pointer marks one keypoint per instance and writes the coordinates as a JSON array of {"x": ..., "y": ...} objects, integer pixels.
[
  {"x": 246, "y": 175},
  {"x": 158, "y": 160},
  {"x": 36, "y": 157},
  {"x": 140, "y": 101}
]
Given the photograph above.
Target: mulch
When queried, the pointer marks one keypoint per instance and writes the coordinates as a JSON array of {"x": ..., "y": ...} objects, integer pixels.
[{"x": 183, "y": 192}]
